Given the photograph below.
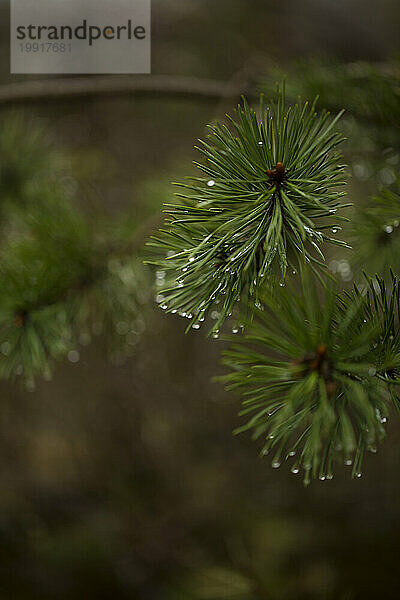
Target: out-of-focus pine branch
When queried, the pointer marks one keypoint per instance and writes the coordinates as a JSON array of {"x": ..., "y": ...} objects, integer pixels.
[{"x": 61, "y": 280}]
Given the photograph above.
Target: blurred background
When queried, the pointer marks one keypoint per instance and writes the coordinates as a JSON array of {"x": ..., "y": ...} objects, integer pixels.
[{"x": 123, "y": 479}]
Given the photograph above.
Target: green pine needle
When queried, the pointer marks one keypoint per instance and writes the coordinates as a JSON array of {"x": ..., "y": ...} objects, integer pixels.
[
  {"x": 317, "y": 374},
  {"x": 267, "y": 201}
]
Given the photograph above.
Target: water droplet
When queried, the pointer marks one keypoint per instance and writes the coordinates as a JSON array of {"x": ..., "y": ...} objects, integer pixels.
[
  {"x": 295, "y": 470},
  {"x": 335, "y": 229},
  {"x": 163, "y": 306},
  {"x": 388, "y": 229},
  {"x": 294, "y": 272},
  {"x": 260, "y": 143},
  {"x": 358, "y": 475},
  {"x": 271, "y": 436},
  {"x": 322, "y": 477},
  {"x": 348, "y": 462},
  {"x": 30, "y": 385},
  {"x": 276, "y": 465},
  {"x": 282, "y": 283},
  {"x": 160, "y": 298},
  {"x": 333, "y": 210},
  {"x": 372, "y": 371},
  {"x": 6, "y": 348},
  {"x": 216, "y": 335},
  {"x": 211, "y": 183},
  {"x": 235, "y": 330},
  {"x": 384, "y": 420},
  {"x": 292, "y": 452},
  {"x": 364, "y": 320},
  {"x": 122, "y": 327},
  {"x": 184, "y": 269},
  {"x": 329, "y": 476},
  {"x": 174, "y": 311},
  {"x": 191, "y": 259},
  {"x": 196, "y": 326},
  {"x": 73, "y": 356},
  {"x": 396, "y": 223}
]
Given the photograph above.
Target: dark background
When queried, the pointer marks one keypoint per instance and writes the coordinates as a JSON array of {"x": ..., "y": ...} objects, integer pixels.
[{"x": 125, "y": 481}]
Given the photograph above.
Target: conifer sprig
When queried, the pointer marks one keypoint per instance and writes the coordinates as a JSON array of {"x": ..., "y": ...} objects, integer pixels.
[
  {"x": 317, "y": 375},
  {"x": 375, "y": 232},
  {"x": 267, "y": 201}
]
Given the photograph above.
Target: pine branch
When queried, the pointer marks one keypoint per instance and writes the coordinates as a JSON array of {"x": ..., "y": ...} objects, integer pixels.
[
  {"x": 375, "y": 232},
  {"x": 61, "y": 281},
  {"x": 271, "y": 188},
  {"x": 317, "y": 375},
  {"x": 368, "y": 91},
  {"x": 71, "y": 88}
]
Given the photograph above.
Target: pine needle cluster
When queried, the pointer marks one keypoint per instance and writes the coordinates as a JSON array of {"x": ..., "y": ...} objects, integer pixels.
[
  {"x": 317, "y": 373},
  {"x": 267, "y": 201},
  {"x": 62, "y": 281}
]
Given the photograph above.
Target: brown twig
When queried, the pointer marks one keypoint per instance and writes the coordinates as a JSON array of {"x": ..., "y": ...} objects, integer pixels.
[{"x": 116, "y": 86}]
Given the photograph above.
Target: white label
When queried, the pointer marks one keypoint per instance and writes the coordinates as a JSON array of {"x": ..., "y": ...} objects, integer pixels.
[{"x": 80, "y": 36}]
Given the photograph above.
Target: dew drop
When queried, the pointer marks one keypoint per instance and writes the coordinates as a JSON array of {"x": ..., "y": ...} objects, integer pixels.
[
  {"x": 358, "y": 475},
  {"x": 292, "y": 452},
  {"x": 388, "y": 229},
  {"x": 196, "y": 326},
  {"x": 276, "y": 465},
  {"x": 73, "y": 356},
  {"x": 282, "y": 283},
  {"x": 295, "y": 470},
  {"x": 335, "y": 229},
  {"x": 211, "y": 183},
  {"x": 163, "y": 306},
  {"x": 235, "y": 330},
  {"x": 322, "y": 477},
  {"x": 348, "y": 462},
  {"x": 191, "y": 259},
  {"x": 6, "y": 348},
  {"x": 260, "y": 143}
]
